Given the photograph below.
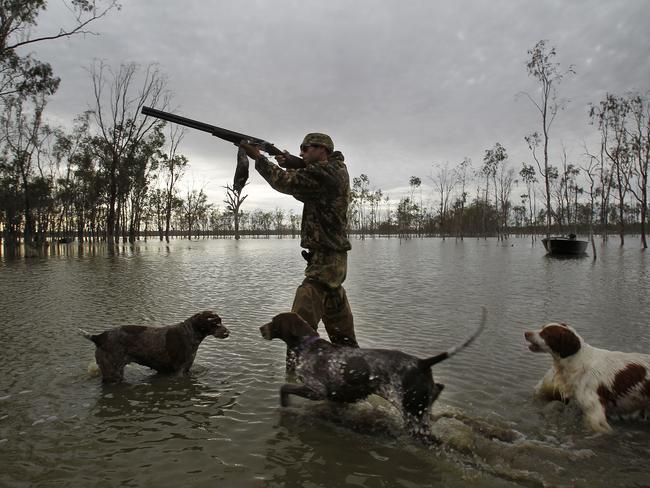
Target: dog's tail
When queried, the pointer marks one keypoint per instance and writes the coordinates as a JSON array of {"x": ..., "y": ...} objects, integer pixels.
[
  {"x": 88, "y": 335},
  {"x": 429, "y": 362}
]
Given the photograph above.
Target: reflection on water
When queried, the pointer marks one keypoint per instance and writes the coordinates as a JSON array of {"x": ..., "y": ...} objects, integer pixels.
[{"x": 61, "y": 426}]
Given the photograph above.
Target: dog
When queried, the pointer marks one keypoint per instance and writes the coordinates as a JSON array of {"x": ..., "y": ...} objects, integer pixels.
[
  {"x": 601, "y": 382},
  {"x": 168, "y": 350},
  {"x": 347, "y": 375}
]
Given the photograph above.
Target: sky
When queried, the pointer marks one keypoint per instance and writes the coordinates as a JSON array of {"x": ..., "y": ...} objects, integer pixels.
[{"x": 402, "y": 87}]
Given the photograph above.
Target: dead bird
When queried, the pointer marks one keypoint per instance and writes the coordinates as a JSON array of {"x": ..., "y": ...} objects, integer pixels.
[{"x": 241, "y": 172}]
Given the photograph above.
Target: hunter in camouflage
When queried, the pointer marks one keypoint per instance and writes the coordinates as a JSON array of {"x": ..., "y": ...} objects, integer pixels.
[{"x": 323, "y": 186}]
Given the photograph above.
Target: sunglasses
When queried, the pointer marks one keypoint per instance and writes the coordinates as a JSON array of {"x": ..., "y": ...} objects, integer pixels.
[{"x": 304, "y": 147}]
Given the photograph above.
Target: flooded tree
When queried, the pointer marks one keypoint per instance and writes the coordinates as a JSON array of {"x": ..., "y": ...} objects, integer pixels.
[
  {"x": 139, "y": 172},
  {"x": 493, "y": 162},
  {"x": 195, "y": 209},
  {"x": 359, "y": 193},
  {"x": 548, "y": 74},
  {"x": 505, "y": 180},
  {"x": 527, "y": 173},
  {"x": 461, "y": 174},
  {"x": 443, "y": 182},
  {"x": 592, "y": 190},
  {"x": 294, "y": 223},
  {"x": 611, "y": 117},
  {"x": 374, "y": 200},
  {"x": 173, "y": 167},
  {"x": 234, "y": 201},
  {"x": 566, "y": 190},
  {"x": 121, "y": 127},
  {"x": 639, "y": 133},
  {"x": 23, "y": 139},
  {"x": 415, "y": 182},
  {"x": 278, "y": 220}
]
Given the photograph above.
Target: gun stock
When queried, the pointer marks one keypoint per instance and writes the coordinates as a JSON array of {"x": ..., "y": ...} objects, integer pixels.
[{"x": 291, "y": 161}]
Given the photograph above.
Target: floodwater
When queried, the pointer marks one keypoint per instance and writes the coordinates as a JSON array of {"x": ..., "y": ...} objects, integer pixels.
[{"x": 223, "y": 425}]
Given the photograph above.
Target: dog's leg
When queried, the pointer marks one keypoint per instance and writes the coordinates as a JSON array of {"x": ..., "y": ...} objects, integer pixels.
[
  {"x": 550, "y": 387},
  {"x": 418, "y": 395},
  {"x": 112, "y": 368},
  {"x": 299, "y": 390},
  {"x": 595, "y": 414},
  {"x": 184, "y": 370},
  {"x": 427, "y": 439},
  {"x": 291, "y": 362},
  {"x": 418, "y": 426}
]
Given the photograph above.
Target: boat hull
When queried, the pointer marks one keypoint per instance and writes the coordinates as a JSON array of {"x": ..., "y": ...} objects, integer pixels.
[{"x": 564, "y": 245}]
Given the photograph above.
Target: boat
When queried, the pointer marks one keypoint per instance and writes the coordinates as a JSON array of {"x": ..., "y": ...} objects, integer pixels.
[{"x": 565, "y": 245}]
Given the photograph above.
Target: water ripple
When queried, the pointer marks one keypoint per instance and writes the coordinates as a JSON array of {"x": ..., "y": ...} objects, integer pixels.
[{"x": 224, "y": 423}]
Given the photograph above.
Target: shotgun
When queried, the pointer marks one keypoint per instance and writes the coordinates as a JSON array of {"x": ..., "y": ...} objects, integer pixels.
[{"x": 290, "y": 162}]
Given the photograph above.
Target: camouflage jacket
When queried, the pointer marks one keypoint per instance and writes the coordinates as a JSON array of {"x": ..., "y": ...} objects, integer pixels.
[{"x": 324, "y": 188}]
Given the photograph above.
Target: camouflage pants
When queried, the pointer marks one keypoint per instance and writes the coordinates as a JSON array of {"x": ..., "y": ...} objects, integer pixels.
[{"x": 321, "y": 296}]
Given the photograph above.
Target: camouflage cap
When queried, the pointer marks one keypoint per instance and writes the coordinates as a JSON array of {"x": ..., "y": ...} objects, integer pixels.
[{"x": 318, "y": 139}]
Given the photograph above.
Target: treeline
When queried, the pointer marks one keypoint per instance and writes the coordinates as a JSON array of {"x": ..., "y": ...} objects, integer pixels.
[
  {"x": 602, "y": 191},
  {"x": 115, "y": 175}
]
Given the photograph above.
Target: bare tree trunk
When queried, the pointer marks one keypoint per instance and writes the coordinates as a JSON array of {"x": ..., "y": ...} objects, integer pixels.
[
  {"x": 121, "y": 127},
  {"x": 644, "y": 244}
]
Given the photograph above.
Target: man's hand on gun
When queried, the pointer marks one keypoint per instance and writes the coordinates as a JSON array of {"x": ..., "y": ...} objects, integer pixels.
[
  {"x": 252, "y": 151},
  {"x": 282, "y": 159}
]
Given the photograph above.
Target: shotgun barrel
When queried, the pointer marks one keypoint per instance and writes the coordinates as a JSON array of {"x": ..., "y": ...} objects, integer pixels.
[{"x": 227, "y": 135}]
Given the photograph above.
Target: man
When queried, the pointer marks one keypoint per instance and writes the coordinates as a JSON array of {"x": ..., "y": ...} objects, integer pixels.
[{"x": 323, "y": 186}]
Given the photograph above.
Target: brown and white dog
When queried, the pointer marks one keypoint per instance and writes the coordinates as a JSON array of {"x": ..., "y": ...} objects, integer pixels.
[{"x": 601, "y": 382}]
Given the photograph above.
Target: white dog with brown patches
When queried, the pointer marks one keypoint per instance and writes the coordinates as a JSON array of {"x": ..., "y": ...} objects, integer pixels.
[{"x": 601, "y": 382}]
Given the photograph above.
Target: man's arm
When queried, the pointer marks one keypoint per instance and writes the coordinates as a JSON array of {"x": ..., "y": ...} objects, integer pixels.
[{"x": 303, "y": 184}]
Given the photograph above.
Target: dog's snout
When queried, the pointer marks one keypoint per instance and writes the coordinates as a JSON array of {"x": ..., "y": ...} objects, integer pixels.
[
  {"x": 265, "y": 330},
  {"x": 221, "y": 332},
  {"x": 528, "y": 335}
]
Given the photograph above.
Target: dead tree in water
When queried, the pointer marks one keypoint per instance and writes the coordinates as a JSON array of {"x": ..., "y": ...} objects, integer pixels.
[
  {"x": 590, "y": 170},
  {"x": 233, "y": 201},
  {"x": 173, "y": 165},
  {"x": 611, "y": 116},
  {"x": 548, "y": 74},
  {"x": 121, "y": 128}
]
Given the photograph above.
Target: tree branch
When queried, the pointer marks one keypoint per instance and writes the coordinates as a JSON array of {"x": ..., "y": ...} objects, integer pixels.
[{"x": 79, "y": 29}]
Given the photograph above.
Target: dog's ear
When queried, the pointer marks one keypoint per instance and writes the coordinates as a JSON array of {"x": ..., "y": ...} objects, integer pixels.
[
  {"x": 299, "y": 326},
  {"x": 280, "y": 326},
  {"x": 290, "y": 325},
  {"x": 297, "y": 320},
  {"x": 561, "y": 340}
]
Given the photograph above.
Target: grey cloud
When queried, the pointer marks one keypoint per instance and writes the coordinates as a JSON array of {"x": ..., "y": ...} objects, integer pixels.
[{"x": 399, "y": 85}]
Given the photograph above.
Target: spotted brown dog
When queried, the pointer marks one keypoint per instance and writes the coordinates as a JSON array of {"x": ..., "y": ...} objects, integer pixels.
[
  {"x": 168, "y": 350},
  {"x": 601, "y": 382},
  {"x": 346, "y": 374}
]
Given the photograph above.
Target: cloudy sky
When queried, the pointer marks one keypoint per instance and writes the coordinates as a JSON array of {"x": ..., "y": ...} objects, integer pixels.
[{"x": 401, "y": 86}]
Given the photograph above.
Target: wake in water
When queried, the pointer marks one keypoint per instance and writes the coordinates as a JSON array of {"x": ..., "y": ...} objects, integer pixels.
[{"x": 479, "y": 447}]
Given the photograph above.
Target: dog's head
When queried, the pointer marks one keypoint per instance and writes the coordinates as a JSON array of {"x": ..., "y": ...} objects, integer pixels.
[
  {"x": 289, "y": 326},
  {"x": 557, "y": 339},
  {"x": 208, "y": 323}
]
